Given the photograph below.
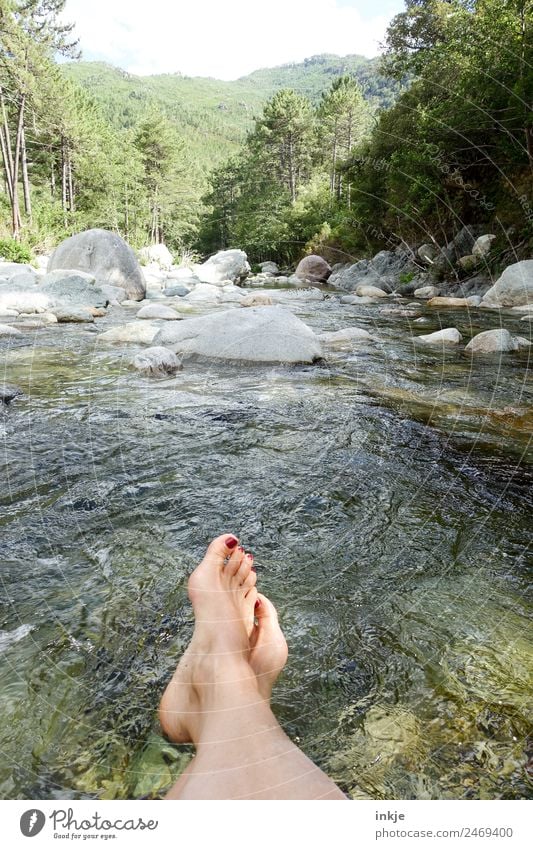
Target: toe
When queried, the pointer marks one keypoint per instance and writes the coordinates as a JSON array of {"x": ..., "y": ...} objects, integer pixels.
[
  {"x": 249, "y": 582},
  {"x": 244, "y": 569},
  {"x": 234, "y": 563},
  {"x": 222, "y": 547}
]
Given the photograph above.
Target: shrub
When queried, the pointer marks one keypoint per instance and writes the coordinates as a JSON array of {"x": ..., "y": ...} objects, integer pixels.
[{"x": 13, "y": 251}]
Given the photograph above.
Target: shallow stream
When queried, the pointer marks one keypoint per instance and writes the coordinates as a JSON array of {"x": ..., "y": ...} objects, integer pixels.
[{"x": 386, "y": 496}]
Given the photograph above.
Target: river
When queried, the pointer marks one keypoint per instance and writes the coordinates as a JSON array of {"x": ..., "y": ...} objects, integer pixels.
[{"x": 386, "y": 495}]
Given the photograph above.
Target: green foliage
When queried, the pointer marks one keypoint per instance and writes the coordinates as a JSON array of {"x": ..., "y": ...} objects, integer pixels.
[{"x": 13, "y": 251}]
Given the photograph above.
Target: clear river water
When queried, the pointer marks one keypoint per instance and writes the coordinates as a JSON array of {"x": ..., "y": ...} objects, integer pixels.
[{"x": 386, "y": 495}]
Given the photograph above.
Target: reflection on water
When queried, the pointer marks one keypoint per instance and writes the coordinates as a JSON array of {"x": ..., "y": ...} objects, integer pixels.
[{"x": 386, "y": 496}]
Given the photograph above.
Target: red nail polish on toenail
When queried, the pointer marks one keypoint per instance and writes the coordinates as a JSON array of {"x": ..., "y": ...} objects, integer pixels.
[
  {"x": 241, "y": 549},
  {"x": 258, "y": 603},
  {"x": 231, "y": 542}
]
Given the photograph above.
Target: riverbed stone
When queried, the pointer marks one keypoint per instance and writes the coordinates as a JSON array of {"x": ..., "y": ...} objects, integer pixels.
[
  {"x": 7, "y": 330},
  {"x": 34, "y": 321},
  {"x": 106, "y": 256},
  {"x": 427, "y": 292},
  {"x": 269, "y": 268},
  {"x": 346, "y": 337},
  {"x": 72, "y": 290},
  {"x": 370, "y": 292},
  {"x": 8, "y": 392},
  {"x": 141, "y": 332},
  {"x": 255, "y": 335},
  {"x": 493, "y": 342},
  {"x": 158, "y": 311},
  {"x": 513, "y": 288},
  {"x": 313, "y": 269},
  {"x": 448, "y": 337},
  {"x": 178, "y": 291},
  {"x": 204, "y": 292},
  {"x": 156, "y": 362},
  {"x": 73, "y": 315},
  {"x": 427, "y": 253},
  {"x": 10, "y": 269},
  {"x": 22, "y": 300},
  {"x": 230, "y": 265},
  {"x": 256, "y": 299},
  {"x": 447, "y": 302}
]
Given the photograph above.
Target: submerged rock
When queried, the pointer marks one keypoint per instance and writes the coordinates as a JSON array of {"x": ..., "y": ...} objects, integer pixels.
[
  {"x": 156, "y": 361},
  {"x": 8, "y": 391},
  {"x": 257, "y": 334},
  {"x": 106, "y": 256},
  {"x": 346, "y": 337}
]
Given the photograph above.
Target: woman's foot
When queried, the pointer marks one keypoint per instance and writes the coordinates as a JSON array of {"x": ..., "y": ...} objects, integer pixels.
[{"x": 231, "y": 651}]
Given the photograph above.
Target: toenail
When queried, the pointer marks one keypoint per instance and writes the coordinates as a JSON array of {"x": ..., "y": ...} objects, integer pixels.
[
  {"x": 257, "y": 604},
  {"x": 241, "y": 549},
  {"x": 254, "y": 569},
  {"x": 231, "y": 542},
  {"x": 250, "y": 555}
]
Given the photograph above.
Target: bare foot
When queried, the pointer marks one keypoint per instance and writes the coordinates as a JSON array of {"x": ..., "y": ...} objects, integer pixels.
[{"x": 229, "y": 645}]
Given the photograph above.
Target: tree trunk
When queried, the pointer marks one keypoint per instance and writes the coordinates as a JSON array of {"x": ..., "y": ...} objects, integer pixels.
[
  {"x": 64, "y": 179},
  {"x": 25, "y": 178},
  {"x": 15, "y": 219},
  {"x": 71, "y": 204},
  {"x": 7, "y": 171},
  {"x": 53, "y": 179}
]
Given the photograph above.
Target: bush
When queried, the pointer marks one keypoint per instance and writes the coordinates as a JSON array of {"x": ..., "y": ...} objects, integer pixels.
[{"x": 13, "y": 251}]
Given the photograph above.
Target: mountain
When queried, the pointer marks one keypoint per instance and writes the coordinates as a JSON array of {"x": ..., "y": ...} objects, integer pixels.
[{"x": 213, "y": 116}]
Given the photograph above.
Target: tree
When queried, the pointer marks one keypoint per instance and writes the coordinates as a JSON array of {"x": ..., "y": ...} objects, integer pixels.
[
  {"x": 343, "y": 119},
  {"x": 284, "y": 138}
]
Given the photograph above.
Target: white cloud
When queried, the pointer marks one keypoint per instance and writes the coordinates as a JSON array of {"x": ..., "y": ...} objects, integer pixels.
[{"x": 222, "y": 38}]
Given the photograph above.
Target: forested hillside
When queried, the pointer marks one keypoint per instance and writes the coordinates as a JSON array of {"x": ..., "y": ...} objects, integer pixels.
[{"x": 214, "y": 116}]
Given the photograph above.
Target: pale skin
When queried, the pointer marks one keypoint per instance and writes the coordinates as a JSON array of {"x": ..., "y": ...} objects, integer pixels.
[{"x": 219, "y": 695}]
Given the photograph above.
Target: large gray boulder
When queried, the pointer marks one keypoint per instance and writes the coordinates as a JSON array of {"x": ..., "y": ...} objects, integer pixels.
[
  {"x": 256, "y": 335},
  {"x": 313, "y": 269},
  {"x": 514, "y": 288},
  {"x": 104, "y": 255},
  {"x": 10, "y": 269},
  {"x": 225, "y": 265},
  {"x": 158, "y": 254}
]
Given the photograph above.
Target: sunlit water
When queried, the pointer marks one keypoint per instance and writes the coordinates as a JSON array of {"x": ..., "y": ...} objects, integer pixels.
[{"x": 386, "y": 495}]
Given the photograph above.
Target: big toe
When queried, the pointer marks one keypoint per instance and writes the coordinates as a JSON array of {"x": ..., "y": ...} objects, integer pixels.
[
  {"x": 269, "y": 642},
  {"x": 221, "y": 548}
]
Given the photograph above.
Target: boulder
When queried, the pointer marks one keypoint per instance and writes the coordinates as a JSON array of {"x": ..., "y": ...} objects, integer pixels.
[
  {"x": 73, "y": 315},
  {"x": 104, "y": 255},
  {"x": 156, "y": 311},
  {"x": 6, "y": 330},
  {"x": 258, "y": 335},
  {"x": 447, "y": 302},
  {"x": 468, "y": 263},
  {"x": 181, "y": 273},
  {"x": 513, "y": 288},
  {"x": 176, "y": 291},
  {"x": 256, "y": 299},
  {"x": 426, "y": 292},
  {"x": 346, "y": 337},
  {"x": 493, "y": 342},
  {"x": 370, "y": 292},
  {"x": 314, "y": 269},
  {"x": 448, "y": 337},
  {"x": 72, "y": 289},
  {"x": 269, "y": 268},
  {"x": 142, "y": 332},
  {"x": 37, "y": 321},
  {"x": 427, "y": 253},
  {"x": 8, "y": 392},
  {"x": 158, "y": 254},
  {"x": 114, "y": 295},
  {"x": 27, "y": 301},
  {"x": 156, "y": 362},
  {"x": 353, "y": 300},
  {"x": 225, "y": 265},
  {"x": 10, "y": 269},
  {"x": 482, "y": 245},
  {"x": 23, "y": 280},
  {"x": 473, "y": 300},
  {"x": 204, "y": 292}
]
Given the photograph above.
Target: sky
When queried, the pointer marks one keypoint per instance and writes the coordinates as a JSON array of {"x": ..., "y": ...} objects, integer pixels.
[{"x": 225, "y": 39}]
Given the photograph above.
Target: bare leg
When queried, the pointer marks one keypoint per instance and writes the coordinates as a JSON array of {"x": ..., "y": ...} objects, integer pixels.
[{"x": 219, "y": 696}]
